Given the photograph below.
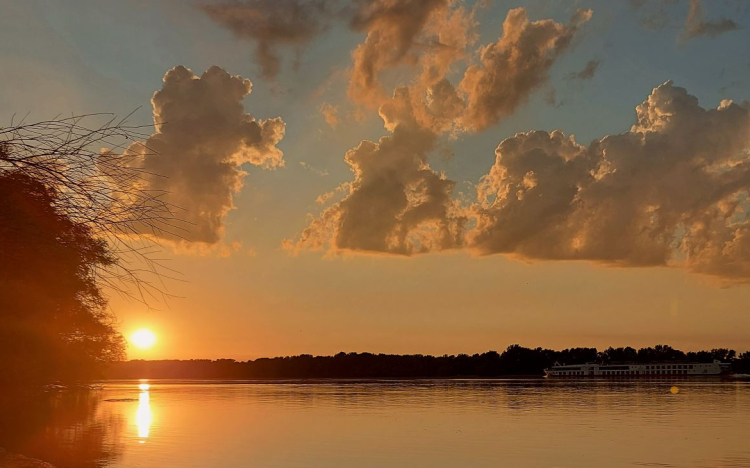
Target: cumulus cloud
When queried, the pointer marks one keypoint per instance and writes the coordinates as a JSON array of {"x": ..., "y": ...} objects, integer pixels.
[
  {"x": 429, "y": 36},
  {"x": 396, "y": 204},
  {"x": 672, "y": 190},
  {"x": 393, "y": 28},
  {"x": 271, "y": 24},
  {"x": 696, "y": 24},
  {"x": 203, "y": 137},
  {"x": 517, "y": 64},
  {"x": 435, "y": 103}
]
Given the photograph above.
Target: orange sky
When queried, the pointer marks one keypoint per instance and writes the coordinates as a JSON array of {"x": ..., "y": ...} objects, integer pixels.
[
  {"x": 451, "y": 177},
  {"x": 275, "y": 305}
]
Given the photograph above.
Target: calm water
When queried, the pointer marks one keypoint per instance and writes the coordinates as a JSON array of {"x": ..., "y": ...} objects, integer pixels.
[{"x": 386, "y": 424}]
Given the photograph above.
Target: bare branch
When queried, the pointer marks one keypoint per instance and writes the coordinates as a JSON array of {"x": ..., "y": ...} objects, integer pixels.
[{"x": 99, "y": 183}]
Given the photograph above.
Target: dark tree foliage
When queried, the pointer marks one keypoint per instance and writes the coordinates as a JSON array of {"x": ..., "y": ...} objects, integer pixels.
[
  {"x": 73, "y": 213},
  {"x": 742, "y": 363},
  {"x": 54, "y": 324},
  {"x": 97, "y": 183},
  {"x": 514, "y": 361}
]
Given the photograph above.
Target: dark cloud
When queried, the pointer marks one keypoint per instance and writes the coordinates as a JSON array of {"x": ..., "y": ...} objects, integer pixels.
[
  {"x": 654, "y": 16},
  {"x": 394, "y": 33},
  {"x": 588, "y": 71},
  {"x": 271, "y": 24},
  {"x": 203, "y": 137},
  {"x": 550, "y": 97},
  {"x": 696, "y": 24}
]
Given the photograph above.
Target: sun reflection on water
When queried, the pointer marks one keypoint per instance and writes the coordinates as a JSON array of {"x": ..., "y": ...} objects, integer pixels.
[{"x": 143, "y": 415}]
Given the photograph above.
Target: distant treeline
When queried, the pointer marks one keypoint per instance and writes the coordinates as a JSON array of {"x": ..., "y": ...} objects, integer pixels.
[{"x": 514, "y": 361}]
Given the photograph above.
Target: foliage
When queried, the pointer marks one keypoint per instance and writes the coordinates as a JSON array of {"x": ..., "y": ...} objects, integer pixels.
[
  {"x": 54, "y": 323},
  {"x": 71, "y": 218},
  {"x": 97, "y": 184},
  {"x": 514, "y": 361}
]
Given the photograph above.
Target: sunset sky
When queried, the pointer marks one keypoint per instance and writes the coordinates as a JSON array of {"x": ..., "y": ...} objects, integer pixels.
[{"x": 420, "y": 176}]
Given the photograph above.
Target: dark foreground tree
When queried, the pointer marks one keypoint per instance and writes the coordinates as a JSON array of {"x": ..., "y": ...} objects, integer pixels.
[
  {"x": 54, "y": 323},
  {"x": 72, "y": 218},
  {"x": 97, "y": 183}
]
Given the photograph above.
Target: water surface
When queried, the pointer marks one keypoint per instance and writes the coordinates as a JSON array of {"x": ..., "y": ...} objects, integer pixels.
[{"x": 431, "y": 423}]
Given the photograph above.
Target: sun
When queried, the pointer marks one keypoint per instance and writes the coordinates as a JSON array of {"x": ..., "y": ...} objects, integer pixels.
[{"x": 143, "y": 338}]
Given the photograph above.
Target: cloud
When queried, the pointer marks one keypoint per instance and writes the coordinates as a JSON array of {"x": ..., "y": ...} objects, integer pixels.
[
  {"x": 330, "y": 114},
  {"x": 696, "y": 25},
  {"x": 272, "y": 24},
  {"x": 393, "y": 28},
  {"x": 435, "y": 104},
  {"x": 654, "y": 17},
  {"x": 550, "y": 97},
  {"x": 324, "y": 198},
  {"x": 203, "y": 137},
  {"x": 671, "y": 191},
  {"x": 396, "y": 204},
  {"x": 517, "y": 64},
  {"x": 395, "y": 33},
  {"x": 314, "y": 170},
  {"x": 588, "y": 71}
]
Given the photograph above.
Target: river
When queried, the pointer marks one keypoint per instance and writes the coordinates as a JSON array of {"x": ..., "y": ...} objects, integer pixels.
[{"x": 416, "y": 423}]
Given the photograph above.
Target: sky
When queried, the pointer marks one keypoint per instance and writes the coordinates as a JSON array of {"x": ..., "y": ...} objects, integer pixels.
[{"x": 420, "y": 176}]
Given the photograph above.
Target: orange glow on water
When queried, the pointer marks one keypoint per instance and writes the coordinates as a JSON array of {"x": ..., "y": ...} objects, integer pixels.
[{"x": 143, "y": 415}]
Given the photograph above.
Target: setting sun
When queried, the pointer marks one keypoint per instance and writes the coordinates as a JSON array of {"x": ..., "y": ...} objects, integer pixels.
[
  {"x": 389, "y": 233},
  {"x": 143, "y": 338}
]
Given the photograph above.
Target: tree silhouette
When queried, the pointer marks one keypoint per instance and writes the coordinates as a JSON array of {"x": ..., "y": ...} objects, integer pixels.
[
  {"x": 72, "y": 218},
  {"x": 97, "y": 184},
  {"x": 515, "y": 361},
  {"x": 54, "y": 323}
]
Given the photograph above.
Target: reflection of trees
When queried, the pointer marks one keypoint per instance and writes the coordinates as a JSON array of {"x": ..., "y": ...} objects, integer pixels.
[{"x": 66, "y": 429}]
